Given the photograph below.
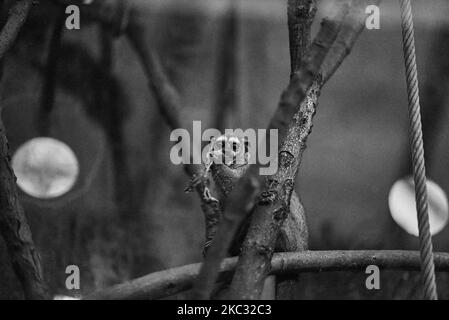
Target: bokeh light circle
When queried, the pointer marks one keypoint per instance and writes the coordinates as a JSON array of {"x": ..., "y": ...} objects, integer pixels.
[
  {"x": 402, "y": 205},
  {"x": 45, "y": 168}
]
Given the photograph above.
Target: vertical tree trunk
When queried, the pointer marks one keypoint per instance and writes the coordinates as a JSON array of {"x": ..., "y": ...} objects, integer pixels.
[
  {"x": 13, "y": 225},
  {"x": 15, "y": 230}
]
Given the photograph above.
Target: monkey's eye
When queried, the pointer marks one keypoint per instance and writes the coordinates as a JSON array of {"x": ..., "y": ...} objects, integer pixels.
[
  {"x": 235, "y": 144},
  {"x": 246, "y": 145},
  {"x": 220, "y": 144}
]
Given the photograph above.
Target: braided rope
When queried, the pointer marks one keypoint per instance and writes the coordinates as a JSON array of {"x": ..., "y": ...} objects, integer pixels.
[{"x": 416, "y": 144}]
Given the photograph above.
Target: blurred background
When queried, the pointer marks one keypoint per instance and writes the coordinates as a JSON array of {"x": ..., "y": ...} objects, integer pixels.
[{"x": 123, "y": 213}]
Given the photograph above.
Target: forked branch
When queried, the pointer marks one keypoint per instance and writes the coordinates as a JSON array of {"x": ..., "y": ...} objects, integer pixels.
[
  {"x": 273, "y": 204},
  {"x": 291, "y": 98}
]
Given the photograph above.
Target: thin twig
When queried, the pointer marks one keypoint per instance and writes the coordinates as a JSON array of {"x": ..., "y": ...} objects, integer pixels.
[{"x": 171, "y": 281}]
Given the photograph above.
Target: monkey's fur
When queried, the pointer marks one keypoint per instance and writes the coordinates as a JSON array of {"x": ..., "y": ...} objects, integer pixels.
[
  {"x": 225, "y": 174},
  {"x": 233, "y": 156}
]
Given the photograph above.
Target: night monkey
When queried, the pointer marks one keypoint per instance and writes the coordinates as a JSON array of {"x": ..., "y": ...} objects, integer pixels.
[{"x": 227, "y": 161}]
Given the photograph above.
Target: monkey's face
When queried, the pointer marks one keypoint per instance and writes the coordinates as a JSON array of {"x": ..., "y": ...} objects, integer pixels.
[{"x": 229, "y": 150}]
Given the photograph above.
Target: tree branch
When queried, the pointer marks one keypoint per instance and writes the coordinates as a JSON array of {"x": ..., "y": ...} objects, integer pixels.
[
  {"x": 17, "y": 16},
  {"x": 13, "y": 225},
  {"x": 273, "y": 204},
  {"x": 15, "y": 230},
  {"x": 166, "y": 95},
  {"x": 300, "y": 15},
  {"x": 346, "y": 38},
  {"x": 300, "y": 82},
  {"x": 281, "y": 119},
  {"x": 123, "y": 16},
  {"x": 238, "y": 202},
  {"x": 349, "y": 33},
  {"x": 169, "y": 282},
  {"x": 290, "y": 99},
  {"x": 168, "y": 102}
]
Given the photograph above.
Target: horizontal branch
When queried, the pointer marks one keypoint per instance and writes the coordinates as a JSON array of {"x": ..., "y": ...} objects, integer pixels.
[{"x": 168, "y": 282}]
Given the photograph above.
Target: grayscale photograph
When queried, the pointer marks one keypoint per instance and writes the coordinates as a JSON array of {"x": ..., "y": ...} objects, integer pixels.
[{"x": 224, "y": 150}]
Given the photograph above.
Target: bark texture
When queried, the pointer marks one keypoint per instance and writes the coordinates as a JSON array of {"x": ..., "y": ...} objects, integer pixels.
[
  {"x": 15, "y": 230},
  {"x": 165, "y": 283},
  {"x": 13, "y": 224}
]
